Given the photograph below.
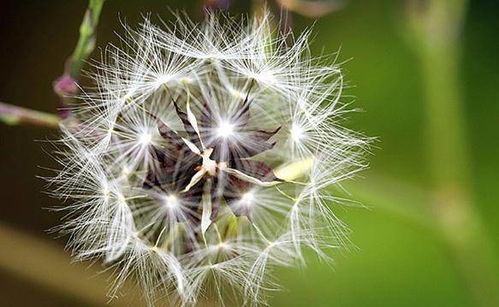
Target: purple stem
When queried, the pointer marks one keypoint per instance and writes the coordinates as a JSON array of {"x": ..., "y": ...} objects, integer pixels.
[{"x": 13, "y": 115}]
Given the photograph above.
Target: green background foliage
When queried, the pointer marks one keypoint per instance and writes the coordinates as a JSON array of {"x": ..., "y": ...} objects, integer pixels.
[{"x": 398, "y": 258}]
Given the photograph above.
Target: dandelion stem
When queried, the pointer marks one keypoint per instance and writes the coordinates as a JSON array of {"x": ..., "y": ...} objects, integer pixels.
[
  {"x": 86, "y": 41},
  {"x": 436, "y": 28},
  {"x": 66, "y": 86},
  {"x": 14, "y": 115}
]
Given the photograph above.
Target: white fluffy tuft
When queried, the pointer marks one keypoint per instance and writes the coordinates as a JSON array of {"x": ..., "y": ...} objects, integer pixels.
[{"x": 149, "y": 234}]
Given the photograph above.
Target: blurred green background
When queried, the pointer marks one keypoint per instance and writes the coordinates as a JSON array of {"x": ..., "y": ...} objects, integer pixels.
[{"x": 400, "y": 257}]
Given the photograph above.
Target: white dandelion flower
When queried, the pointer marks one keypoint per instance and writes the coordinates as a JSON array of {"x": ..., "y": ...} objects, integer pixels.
[{"x": 205, "y": 154}]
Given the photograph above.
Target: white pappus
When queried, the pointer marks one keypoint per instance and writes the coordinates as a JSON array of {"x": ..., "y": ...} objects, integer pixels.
[{"x": 204, "y": 155}]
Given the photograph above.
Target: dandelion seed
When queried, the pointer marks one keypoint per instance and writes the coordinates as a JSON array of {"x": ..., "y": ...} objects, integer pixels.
[
  {"x": 145, "y": 138},
  {"x": 247, "y": 197},
  {"x": 297, "y": 133},
  {"x": 225, "y": 129},
  {"x": 171, "y": 201}
]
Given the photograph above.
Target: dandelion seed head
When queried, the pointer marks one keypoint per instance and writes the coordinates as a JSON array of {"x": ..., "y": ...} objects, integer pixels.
[{"x": 206, "y": 152}]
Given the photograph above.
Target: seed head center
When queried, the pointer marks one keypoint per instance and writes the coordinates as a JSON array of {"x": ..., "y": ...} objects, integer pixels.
[
  {"x": 209, "y": 165},
  {"x": 225, "y": 129}
]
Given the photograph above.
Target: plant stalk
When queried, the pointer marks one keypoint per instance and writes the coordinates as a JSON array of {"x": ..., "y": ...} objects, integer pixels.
[
  {"x": 86, "y": 41},
  {"x": 14, "y": 115},
  {"x": 66, "y": 86},
  {"x": 436, "y": 29}
]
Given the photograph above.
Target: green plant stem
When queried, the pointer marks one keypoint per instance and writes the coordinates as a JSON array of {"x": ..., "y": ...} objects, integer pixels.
[
  {"x": 437, "y": 28},
  {"x": 452, "y": 203},
  {"x": 86, "y": 41},
  {"x": 14, "y": 115}
]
